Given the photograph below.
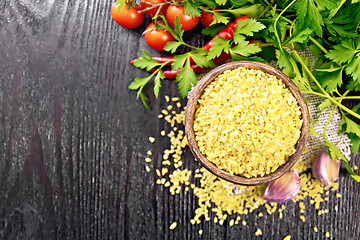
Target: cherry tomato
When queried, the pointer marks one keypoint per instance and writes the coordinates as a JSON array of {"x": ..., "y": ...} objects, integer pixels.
[
  {"x": 151, "y": 13},
  {"x": 128, "y": 18},
  {"x": 207, "y": 18},
  {"x": 187, "y": 22},
  {"x": 157, "y": 38}
]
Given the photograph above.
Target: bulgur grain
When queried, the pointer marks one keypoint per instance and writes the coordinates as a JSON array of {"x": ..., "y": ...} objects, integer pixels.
[
  {"x": 245, "y": 131},
  {"x": 173, "y": 225},
  {"x": 258, "y": 232}
]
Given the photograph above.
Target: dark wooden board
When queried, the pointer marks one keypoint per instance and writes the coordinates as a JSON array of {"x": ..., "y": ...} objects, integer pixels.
[{"x": 73, "y": 138}]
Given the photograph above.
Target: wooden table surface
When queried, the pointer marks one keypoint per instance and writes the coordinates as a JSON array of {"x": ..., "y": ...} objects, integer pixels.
[{"x": 73, "y": 138}]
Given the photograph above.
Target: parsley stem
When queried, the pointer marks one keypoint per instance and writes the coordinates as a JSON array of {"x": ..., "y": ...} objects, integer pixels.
[
  {"x": 312, "y": 77},
  {"x": 332, "y": 112},
  {"x": 277, "y": 19},
  {"x": 327, "y": 122},
  {"x": 318, "y": 44}
]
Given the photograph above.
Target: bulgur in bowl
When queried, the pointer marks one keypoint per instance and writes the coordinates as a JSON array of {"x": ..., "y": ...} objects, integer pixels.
[{"x": 246, "y": 122}]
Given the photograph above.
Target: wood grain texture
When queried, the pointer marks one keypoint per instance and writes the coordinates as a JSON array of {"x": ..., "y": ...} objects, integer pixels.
[{"x": 73, "y": 138}]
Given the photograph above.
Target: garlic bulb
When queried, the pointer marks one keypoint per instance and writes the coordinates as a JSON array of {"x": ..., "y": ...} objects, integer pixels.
[
  {"x": 325, "y": 169},
  {"x": 284, "y": 188}
]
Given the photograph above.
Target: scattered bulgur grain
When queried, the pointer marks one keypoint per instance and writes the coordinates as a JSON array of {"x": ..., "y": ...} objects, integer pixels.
[
  {"x": 327, "y": 234},
  {"x": 338, "y": 195},
  {"x": 258, "y": 232},
  {"x": 315, "y": 229},
  {"x": 164, "y": 112},
  {"x": 178, "y": 104},
  {"x": 169, "y": 107},
  {"x": 147, "y": 168},
  {"x": 175, "y": 99},
  {"x": 219, "y": 196},
  {"x": 151, "y": 139},
  {"x": 200, "y": 232},
  {"x": 302, "y": 217},
  {"x": 160, "y": 116},
  {"x": 167, "y": 98},
  {"x": 336, "y": 208},
  {"x": 260, "y": 214},
  {"x": 231, "y": 222},
  {"x": 244, "y": 223},
  {"x": 288, "y": 237},
  {"x": 149, "y": 152},
  {"x": 173, "y": 225},
  {"x": 245, "y": 121},
  {"x": 355, "y": 167},
  {"x": 147, "y": 159}
]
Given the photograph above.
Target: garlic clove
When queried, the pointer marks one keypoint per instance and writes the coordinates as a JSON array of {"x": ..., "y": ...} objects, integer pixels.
[
  {"x": 284, "y": 188},
  {"x": 325, "y": 169}
]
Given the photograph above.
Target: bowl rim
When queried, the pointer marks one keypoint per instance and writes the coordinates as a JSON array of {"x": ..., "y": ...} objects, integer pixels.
[{"x": 189, "y": 121}]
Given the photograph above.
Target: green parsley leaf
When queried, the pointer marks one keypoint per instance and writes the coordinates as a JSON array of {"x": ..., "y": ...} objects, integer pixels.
[
  {"x": 139, "y": 83},
  {"x": 220, "y": 45},
  {"x": 179, "y": 61},
  {"x": 248, "y": 27},
  {"x": 172, "y": 46},
  {"x": 177, "y": 28},
  {"x": 309, "y": 15},
  {"x": 220, "y": 18},
  {"x": 331, "y": 78},
  {"x": 157, "y": 81},
  {"x": 253, "y": 10},
  {"x": 212, "y": 30},
  {"x": 348, "y": 51},
  {"x": 312, "y": 130},
  {"x": 245, "y": 49},
  {"x": 200, "y": 59},
  {"x": 299, "y": 36},
  {"x": 238, "y": 3},
  {"x": 324, "y": 104},
  {"x": 352, "y": 127},
  {"x": 237, "y": 57},
  {"x": 335, "y": 153},
  {"x": 192, "y": 9},
  {"x": 326, "y": 4},
  {"x": 143, "y": 99},
  {"x": 221, "y": 2},
  {"x": 120, "y": 4},
  {"x": 355, "y": 143},
  {"x": 186, "y": 78},
  {"x": 210, "y": 3},
  {"x": 284, "y": 60},
  {"x": 146, "y": 62}
]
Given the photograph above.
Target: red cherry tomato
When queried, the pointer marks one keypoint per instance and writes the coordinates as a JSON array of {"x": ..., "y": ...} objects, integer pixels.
[
  {"x": 152, "y": 12},
  {"x": 207, "y": 18},
  {"x": 157, "y": 38},
  {"x": 187, "y": 22},
  {"x": 128, "y": 18}
]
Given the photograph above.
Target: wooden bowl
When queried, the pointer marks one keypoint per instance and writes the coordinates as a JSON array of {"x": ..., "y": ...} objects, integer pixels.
[{"x": 189, "y": 122}]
